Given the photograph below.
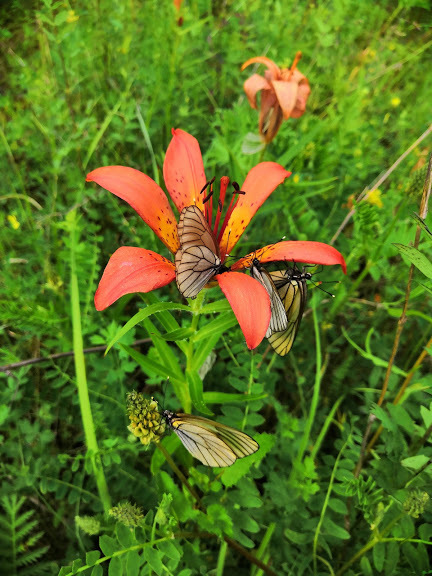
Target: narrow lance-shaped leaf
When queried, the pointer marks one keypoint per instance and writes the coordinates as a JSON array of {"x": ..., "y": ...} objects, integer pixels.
[{"x": 417, "y": 258}]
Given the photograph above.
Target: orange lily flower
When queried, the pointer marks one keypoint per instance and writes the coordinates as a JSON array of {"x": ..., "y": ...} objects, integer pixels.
[
  {"x": 284, "y": 94},
  {"x": 132, "y": 269}
]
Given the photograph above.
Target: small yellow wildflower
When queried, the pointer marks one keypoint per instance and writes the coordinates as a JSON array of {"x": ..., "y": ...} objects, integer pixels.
[
  {"x": 374, "y": 198},
  {"x": 13, "y": 221},
  {"x": 395, "y": 101},
  {"x": 72, "y": 17},
  {"x": 296, "y": 178}
]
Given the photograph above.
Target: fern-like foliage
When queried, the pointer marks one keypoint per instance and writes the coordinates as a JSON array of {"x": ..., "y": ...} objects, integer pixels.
[
  {"x": 370, "y": 498},
  {"x": 20, "y": 549}
]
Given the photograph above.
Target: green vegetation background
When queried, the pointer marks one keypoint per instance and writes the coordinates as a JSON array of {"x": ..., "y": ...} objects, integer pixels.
[{"x": 96, "y": 83}]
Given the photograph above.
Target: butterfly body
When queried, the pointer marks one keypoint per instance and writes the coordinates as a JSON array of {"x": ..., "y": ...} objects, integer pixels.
[
  {"x": 278, "y": 320},
  {"x": 198, "y": 258},
  {"x": 214, "y": 444}
]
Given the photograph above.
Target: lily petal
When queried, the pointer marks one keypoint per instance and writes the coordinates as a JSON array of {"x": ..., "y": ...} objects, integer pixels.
[
  {"x": 144, "y": 196},
  {"x": 250, "y": 303},
  {"x": 294, "y": 251},
  {"x": 184, "y": 170},
  {"x": 132, "y": 270},
  {"x": 259, "y": 184},
  {"x": 253, "y": 85},
  {"x": 302, "y": 97},
  {"x": 286, "y": 93}
]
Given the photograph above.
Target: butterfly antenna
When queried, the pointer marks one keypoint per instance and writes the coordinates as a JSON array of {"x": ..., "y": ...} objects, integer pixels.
[{"x": 318, "y": 285}]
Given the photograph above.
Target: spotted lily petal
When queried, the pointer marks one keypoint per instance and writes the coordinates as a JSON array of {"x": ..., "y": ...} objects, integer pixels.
[
  {"x": 294, "y": 251},
  {"x": 259, "y": 184},
  {"x": 252, "y": 86},
  {"x": 250, "y": 303},
  {"x": 144, "y": 196},
  {"x": 132, "y": 270},
  {"x": 184, "y": 170}
]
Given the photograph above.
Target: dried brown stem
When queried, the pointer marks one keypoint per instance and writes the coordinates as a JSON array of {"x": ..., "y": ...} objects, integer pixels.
[
  {"x": 30, "y": 361},
  {"x": 401, "y": 322}
]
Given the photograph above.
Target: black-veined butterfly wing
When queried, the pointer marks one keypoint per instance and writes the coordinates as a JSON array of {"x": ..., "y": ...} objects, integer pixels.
[
  {"x": 292, "y": 288},
  {"x": 212, "y": 443},
  {"x": 198, "y": 258},
  {"x": 195, "y": 266},
  {"x": 193, "y": 230},
  {"x": 278, "y": 319}
]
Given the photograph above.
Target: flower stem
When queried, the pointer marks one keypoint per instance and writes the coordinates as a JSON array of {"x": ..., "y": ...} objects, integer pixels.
[
  {"x": 195, "y": 306},
  {"x": 81, "y": 378},
  {"x": 315, "y": 397}
]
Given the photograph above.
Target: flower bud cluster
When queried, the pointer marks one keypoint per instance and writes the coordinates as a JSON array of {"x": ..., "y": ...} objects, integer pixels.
[
  {"x": 147, "y": 423},
  {"x": 128, "y": 514},
  {"x": 415, "y": 503}
]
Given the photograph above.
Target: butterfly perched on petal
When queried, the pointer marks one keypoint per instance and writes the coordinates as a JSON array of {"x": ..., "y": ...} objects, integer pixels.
[
  {"x": 278, "y": 320},
  {"x": 214, "y": 444},
  {"x": 198, "y": 258},
  {"x": 291, "y": 286}
]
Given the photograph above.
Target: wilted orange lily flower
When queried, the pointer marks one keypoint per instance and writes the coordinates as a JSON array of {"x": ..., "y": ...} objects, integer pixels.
[
  {"x": 284, "y": 93},
  {"x": 133, "y": 269}
]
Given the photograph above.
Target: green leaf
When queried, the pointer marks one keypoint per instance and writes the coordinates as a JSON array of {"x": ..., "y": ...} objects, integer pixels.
[
  {"x": 133, "y": 563},
  {"x": 65, "y": 571},
  {"x": 242, "y": 466},
  {"x": 203, "y": 350},
  {"x": 218, "y": 306},
  {"x": 92, "y": 556},
  {"x": 180, "y": 334},
  {"x": 97, "y": 571},
  {"x": 415, "y": 462},
  {"x": 417, "y": 258},
  {"x": 169, "y": 549},
  {"x": 227, "y": 398},
  {"x": 423, "y": 226},
  {"x": 196, "y": 391},
  {"x": 149, "y": 366},
  {"x": 336, "y": 530},
  {"x": 366, "y": 567},
  {"x": 374, "y": 359},
  {"x": 115, "y": 567},
  {"x": 152, "y": 557},
  {"x": 141, "y": 315},
  {"x": 124, "y": 535},
  {"x": 108, "y": 545},
  {"x": 298, "y": 537},
  {"x": 165, "y": 351},
  {"x": 217, "y": 326}
]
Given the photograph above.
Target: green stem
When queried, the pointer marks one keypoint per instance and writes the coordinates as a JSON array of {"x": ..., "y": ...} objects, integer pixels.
[
  {"x": 315, "y": 397},
  {"x": 195, "y": 306},
  {"x": 81, "y": 378}
]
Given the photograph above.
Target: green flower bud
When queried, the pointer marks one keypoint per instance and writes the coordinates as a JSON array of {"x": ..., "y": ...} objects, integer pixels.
[
  {"x": 415, "y": 503},
  {"x": 127, "y": 513},
  {"x": 147, "y": 423}
]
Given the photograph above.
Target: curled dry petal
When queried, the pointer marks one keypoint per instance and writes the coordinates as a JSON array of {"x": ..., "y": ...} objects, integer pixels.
[
  {"x": 272, "y": 67},
  {"x": 294, "y": 251},
  {"x": 252, "y": 86},
  {"x": 259, "y": 184},
  {"x": 286, "y": 93},
  {"x": 144, "y": 196},
  {"x": 184, "y": 170},
  {"x": 132, "y": 270},
  {"x": 250, "y": 303},
  {"x": 302, "y": 97}
]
